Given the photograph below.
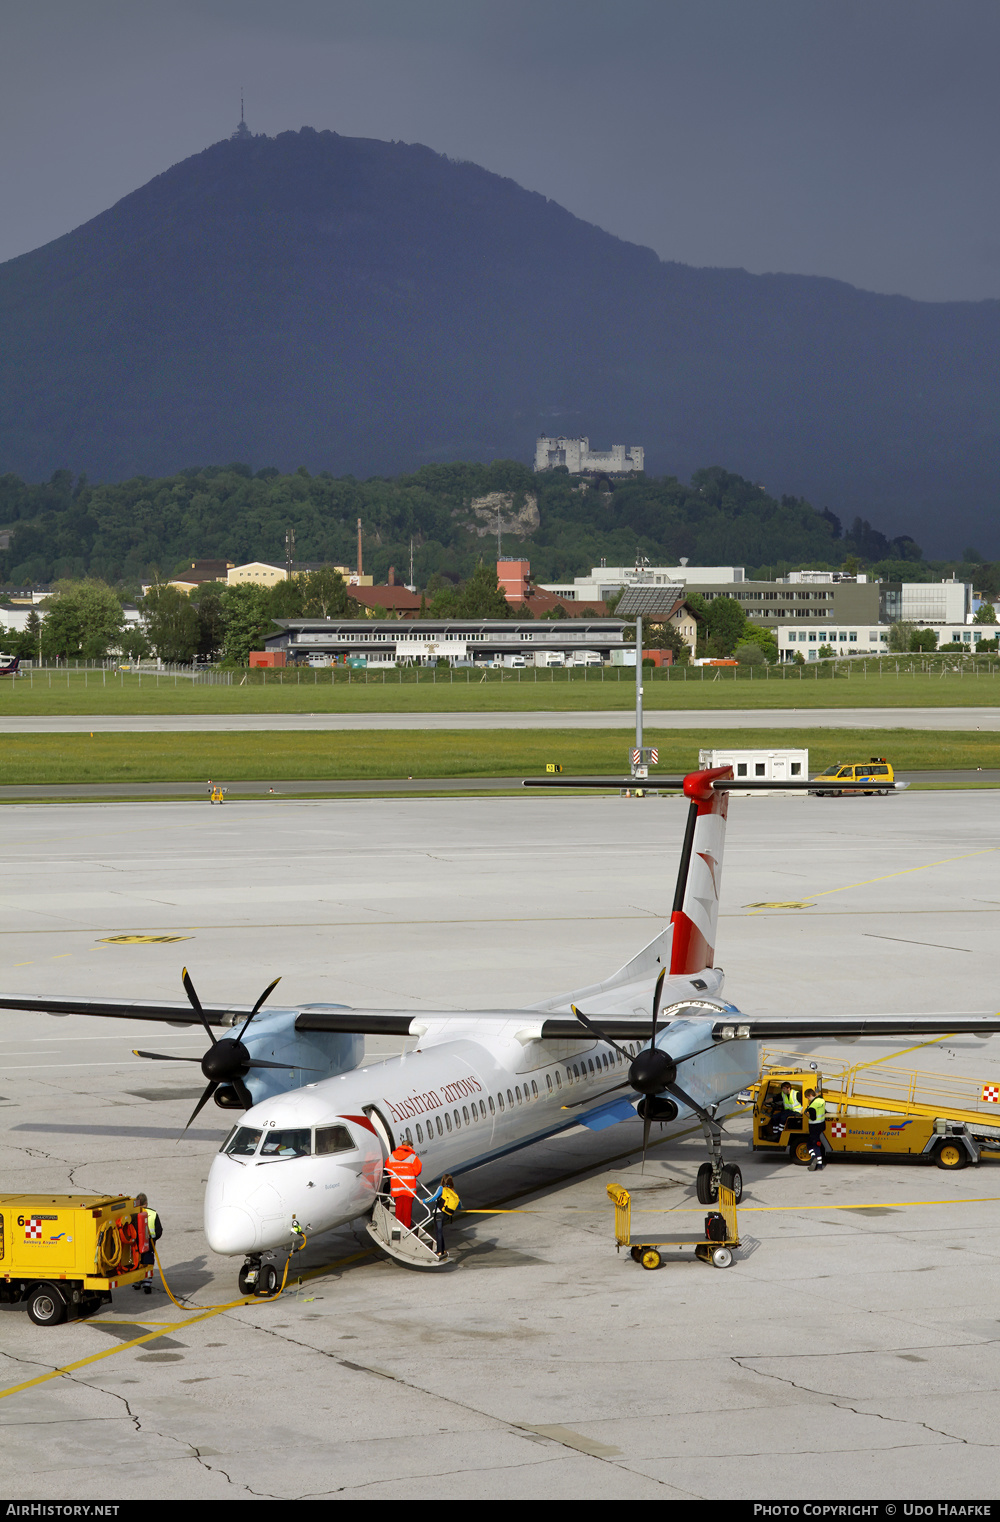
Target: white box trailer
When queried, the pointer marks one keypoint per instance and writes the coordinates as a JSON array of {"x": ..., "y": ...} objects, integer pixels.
[{"x": 771, "y": 765}]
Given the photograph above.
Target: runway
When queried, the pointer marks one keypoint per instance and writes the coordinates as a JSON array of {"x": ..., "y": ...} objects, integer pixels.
[
  {"x": 655, "y": 718},
  {"x": 850, "y": 1350}
]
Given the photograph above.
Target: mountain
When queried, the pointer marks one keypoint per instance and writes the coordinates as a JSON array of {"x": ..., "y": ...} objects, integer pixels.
[{"x": 365, "y": 307}]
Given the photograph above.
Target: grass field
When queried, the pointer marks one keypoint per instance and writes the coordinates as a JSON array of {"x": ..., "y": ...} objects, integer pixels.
[
  {"x": 853, "y": 684},
  {"x": 268, "y": 757}
]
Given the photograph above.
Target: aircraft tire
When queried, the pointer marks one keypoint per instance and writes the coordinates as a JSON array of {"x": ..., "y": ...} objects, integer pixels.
[
  {"x": 247, "y": 1285},
  {"x": 732, "y": 1178},
  {"x": 267, "y": 1279},
  {"x": 951, "y": 1156},
  {"x": 707, "y": 1194}
]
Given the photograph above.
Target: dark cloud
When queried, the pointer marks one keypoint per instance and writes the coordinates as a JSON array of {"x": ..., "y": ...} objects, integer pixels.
[{"x": 852, "y": 138}]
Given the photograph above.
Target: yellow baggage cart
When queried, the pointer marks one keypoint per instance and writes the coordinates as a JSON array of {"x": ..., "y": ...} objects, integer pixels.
[{"x": 713, "y": 1245}]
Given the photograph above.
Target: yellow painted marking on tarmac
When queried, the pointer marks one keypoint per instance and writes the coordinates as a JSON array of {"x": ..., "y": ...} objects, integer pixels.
[
  {"x": 887, "y": 876},
  {"x": 141, "y": 940},
  {"x": 983, "y": 1199},
  {"x": 166, "y": 1327}
]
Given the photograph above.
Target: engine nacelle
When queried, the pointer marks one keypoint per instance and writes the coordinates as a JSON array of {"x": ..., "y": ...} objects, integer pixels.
[{"x": 657, "y": 1107}]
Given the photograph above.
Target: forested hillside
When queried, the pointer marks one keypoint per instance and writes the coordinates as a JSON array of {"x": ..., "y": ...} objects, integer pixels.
[
  {"x": 123, "y": 532},
  {"x": 360, "y": 306}
]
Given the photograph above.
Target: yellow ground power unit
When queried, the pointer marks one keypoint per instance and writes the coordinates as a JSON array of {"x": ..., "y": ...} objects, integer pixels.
[{"x": 64, "y": 1253}]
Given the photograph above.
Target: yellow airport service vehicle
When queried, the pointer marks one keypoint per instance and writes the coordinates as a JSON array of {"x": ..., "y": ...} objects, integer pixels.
[
  {"x": 714, "y": 1245},
  {"x": 877, "y": 771},
  {"x": 943, "y": 1125},
  {"x": 65, "y": 1253}
]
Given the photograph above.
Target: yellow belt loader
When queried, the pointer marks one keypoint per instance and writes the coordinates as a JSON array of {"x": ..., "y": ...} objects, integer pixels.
[
  {"x": 65, "y": 1253},
  {"x": 893, "y": 1127}
]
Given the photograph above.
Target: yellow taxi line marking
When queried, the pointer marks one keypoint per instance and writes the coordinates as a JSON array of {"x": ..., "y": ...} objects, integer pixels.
[
  {"x": 767, "y": 1209},
  {"x": 905, "y": 872},
  {"x": 169, "y": 1326}
]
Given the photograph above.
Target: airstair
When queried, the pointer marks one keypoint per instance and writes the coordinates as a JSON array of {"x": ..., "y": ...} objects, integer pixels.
[{"x": 414, "y": 1245}]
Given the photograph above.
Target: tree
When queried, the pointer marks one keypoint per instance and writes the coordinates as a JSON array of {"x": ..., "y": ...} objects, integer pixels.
[
  {"x": 899, "y": 635},
  {"x": 325, "y": 595},
  {"x": 208, "y": 604},
  {"x": 923, "y": 640},
  {"x": 171, "y": 623},
  {"x": 765, "y": 639},
  {"x": 84, "y": 621},
  {"x": 482, "y": 596},
  {"x": 750, "y": 655},
  {"x": 247, "y": 621},
  {"x": 826, "y": 652},
  {"x": 725, "y": 621},
  {"x": 666, "y": 637},
  {"x": 986, "y": 613}
]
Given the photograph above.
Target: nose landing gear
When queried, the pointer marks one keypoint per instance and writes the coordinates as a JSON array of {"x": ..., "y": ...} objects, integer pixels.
[{"x": 711, "y": 1174}]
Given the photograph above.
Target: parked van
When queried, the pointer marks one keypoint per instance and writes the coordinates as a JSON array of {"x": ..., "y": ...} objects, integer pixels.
[
  {"x": 546, "y": 658},
  {"x": 877, "y": 771},
  {"x": 584, "y": 658},
  {"x": 515, "y": 662}
]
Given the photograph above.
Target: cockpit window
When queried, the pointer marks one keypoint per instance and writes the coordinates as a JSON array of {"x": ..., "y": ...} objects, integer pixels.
[
  {"x": 242, "y": 1142},
  {"x": 287, "y": 1144},
  {"x": 333, "y": 1139}
]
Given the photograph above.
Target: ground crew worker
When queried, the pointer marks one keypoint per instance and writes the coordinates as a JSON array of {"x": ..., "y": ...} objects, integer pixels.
[
  {"x": 403, "y": 1167},
  {"x": 150, "y": 1231},
  {"x": 791, "y": 1108},
  {"x": 445, "y": 1202},
  {"x": 816, "y": 1114}
]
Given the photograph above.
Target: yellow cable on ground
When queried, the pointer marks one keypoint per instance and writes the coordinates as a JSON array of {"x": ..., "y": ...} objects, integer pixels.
[{"x": 280, "y": 1290}]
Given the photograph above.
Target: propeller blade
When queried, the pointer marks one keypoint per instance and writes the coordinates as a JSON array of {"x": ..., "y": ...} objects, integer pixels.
[
  {"x": 196, "y": 1005},
  {"x": 244, "y": 1094},
  {"x": 646, "y": 1123},
  {"x": 593, "y": 1098},
  {"x": 678, "y": 1093},
  {"x": 268, "y": 990},
  {"x": 162, "y": 1057},
  {"x": 210, "y": 1090},
  {"x": 657, "y": 996},
  {"x": 595, "y": 1030},
  {"x": 287, "y": 1067}
]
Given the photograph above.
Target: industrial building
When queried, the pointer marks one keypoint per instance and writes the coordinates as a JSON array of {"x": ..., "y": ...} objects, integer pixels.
[{"x": 389, "y": 642}]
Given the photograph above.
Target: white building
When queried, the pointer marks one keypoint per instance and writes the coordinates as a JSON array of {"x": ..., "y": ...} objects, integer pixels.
[
  {"x": 605, "y": 580},
  {"x": 578, "y": 457}
]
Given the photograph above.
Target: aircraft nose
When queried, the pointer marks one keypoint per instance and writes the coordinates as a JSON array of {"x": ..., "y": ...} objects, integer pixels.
[{"x": 230, "y": 1230}]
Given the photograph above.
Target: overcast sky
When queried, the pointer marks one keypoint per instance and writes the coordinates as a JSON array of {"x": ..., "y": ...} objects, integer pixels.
[{"x": 852, "y": 138}]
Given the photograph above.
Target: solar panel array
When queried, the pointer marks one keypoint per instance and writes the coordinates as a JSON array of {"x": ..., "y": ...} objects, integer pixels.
[{"x": 644, "y": 601}]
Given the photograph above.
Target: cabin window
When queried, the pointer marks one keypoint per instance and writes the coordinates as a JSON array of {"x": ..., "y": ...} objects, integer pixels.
[
  {"x": 492, "y": 1107},
  {"x": 590, "y": 1063},
  {"x": 576, "y": 1071},
  {"x": 510, "y": 1100},
  {"x": 447, "y": 1121},
  {"x": 465, "y": 1112},
  {"x": 558, "y": 1080},
  {"x": 333, "y": 1139},
  {"x": 243, "y": 1142},
  {"x": 282, "y": 1144},
  {"x": 408, "y": 1137},
  {"x": 534, "y": 1089},
  {"x": 548, "y": 1080},
  {"x": 482, "y": 1107},
  {"x": 458, "y": 1121},
  {"x": 437, "y": 1122},
  {"x": 420, "y": 1134},
  {"x": 500, "y": 1102},
  {"x": 517, "y": 1092}
]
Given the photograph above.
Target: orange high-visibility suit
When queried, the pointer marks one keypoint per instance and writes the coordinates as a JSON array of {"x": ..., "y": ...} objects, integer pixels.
[{"x": 403, "y": 1168}]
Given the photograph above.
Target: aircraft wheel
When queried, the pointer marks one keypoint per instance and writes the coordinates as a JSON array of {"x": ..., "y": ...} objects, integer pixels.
[
  {"x": 636, "y": 1254},
  {"x": 732, "y": 1178},
  {"x": 951, "y": 1156},
  {"x": 267, "y": 1279},
  {"x": 651, "y": 1258},
  {"x": 722, "y": 1257},
  {"x": 46, "y": 1306},
  {"x": 798, "y": 1151},
  {"x": 248, "y": 1278},
  {"x": 706, "y": 1190}
]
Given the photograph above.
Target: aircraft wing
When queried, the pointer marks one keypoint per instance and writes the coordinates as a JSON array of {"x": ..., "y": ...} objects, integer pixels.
[
  {"x": 816, "y": 1027},
  {"x": 125, "y": 1009},
  {"x": 411, "y": 1022}
]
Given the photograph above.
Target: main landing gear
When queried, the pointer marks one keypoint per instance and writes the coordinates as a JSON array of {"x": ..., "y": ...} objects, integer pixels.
[{"x": 717, "y": 1171}]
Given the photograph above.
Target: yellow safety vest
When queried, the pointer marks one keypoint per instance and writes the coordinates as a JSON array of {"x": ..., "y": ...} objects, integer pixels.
[
  {"x": 151, "y": 1219},
  {"x": 792, "y": 1102},
  {"x": 817, "y": 1108}
]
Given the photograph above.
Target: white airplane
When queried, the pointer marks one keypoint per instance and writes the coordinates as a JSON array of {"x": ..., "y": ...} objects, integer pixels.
[{"x": 484, "y": 1083}]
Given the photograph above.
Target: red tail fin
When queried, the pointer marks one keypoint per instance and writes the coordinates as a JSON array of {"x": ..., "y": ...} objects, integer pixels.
[{"x": 699, "y": 880}]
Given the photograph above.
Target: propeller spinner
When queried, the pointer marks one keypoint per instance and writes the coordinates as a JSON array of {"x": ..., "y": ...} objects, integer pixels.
[{"x": 227, "y": 1061}]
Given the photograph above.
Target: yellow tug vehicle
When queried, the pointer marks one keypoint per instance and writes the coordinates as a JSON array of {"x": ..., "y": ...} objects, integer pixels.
[
  {"x": 64, "y": 1253},
  {"x": 897, "y": 1116}
]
